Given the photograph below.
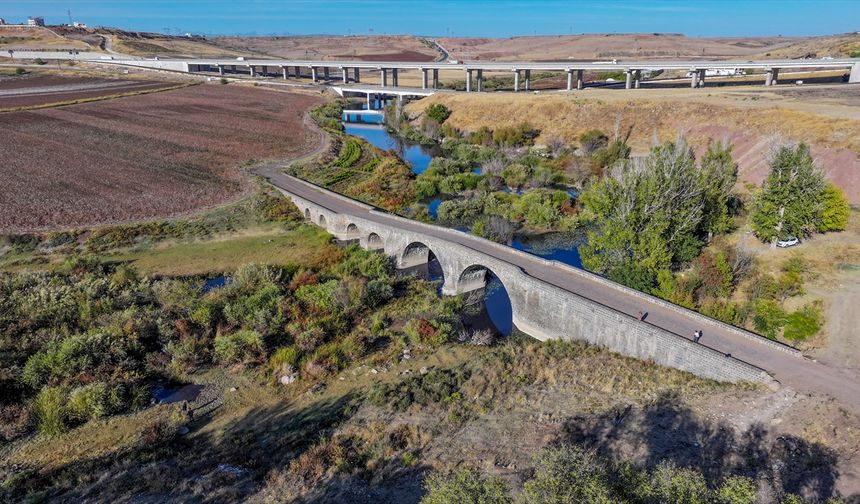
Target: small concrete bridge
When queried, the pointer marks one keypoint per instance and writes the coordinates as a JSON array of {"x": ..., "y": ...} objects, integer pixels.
[{"x": 551, "y": 300}]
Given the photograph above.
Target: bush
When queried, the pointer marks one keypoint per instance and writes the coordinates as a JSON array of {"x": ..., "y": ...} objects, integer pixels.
[
  {"x": 466, "y": 486},
  {"x": 49, "y": 407},
  {"x": 515, "y": 136},
  {"x": 566, "y": 474},
  {"x": 437, "y": 112},
  {"x": 96, "y": 400},
  {"x": 222, "y": 80},
  {"x": 239, "y": 347},
  {"x": 20, "y": 71},
  {"x": 803, "y": 323},
  {"x": 737, "y": 490},
  {"x": 592, "y": 140},
  {"x": 284, "y": 357}
]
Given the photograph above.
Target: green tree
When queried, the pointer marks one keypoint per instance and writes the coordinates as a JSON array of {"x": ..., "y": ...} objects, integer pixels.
[
  {"x": 566, "y": 474},
  {"x": 737, "y": 490},
  {"x": 647, "y": 215},
  {"x": 466, "y": 486},
  {"x": 791, "y": 198},
  {"x": 835, "y": 210},
  {"x": 720, "y": 173}
]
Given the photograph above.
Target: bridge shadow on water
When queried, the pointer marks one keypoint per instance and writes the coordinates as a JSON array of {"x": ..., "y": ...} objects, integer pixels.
[{"x": 668, "y": 430}]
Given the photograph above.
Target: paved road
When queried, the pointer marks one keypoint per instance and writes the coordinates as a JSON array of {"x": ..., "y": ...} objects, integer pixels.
[{"x": 800, "y": 373}]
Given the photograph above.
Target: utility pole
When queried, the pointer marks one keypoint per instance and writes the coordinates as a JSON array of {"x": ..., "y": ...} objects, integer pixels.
[{"x": 70, "y": 17}]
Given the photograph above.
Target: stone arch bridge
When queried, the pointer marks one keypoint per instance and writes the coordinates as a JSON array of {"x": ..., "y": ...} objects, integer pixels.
[{"x": 551, "y": 300}]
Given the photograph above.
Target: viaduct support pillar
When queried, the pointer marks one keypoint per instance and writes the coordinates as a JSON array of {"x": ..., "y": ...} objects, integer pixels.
[
  {"x": 480, "y": 80},
  {"x": 423, "y": 78},
  {"x": 579, "y": 80},
  {"x": 313, "y": 74},
  {"x": 298, "y": 72},
  {"x": 325, "y": 73},
  {"x": 251, "y": 70},
  {"x": 628, "y": 79},
  {"x": 383, "y": 77},
  {"x": 220, "y": 70},
  {"x": 344, "y": 74},
  {"x": 569, "y": 80},
  {"x": 772, "y": 77},
  {"x": 355, "y": 75},
  {"x": 637, "y": 78},
  {"x": 528, "y": 79},
  {"x": 516, "y": 81},
  {"x": 284, "y": 72},
  {"x": 694, "y": 79},
  {"x": 435, "y": 78},
  {"x": 468, "y": 80},
  {"x": 702, "y": 78},
  {"x": 854, "y": 76},
  {"x": 394, "y": 77}
]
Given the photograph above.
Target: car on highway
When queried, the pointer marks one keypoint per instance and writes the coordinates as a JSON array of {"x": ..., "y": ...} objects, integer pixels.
[{"x": 787, "y": 242}]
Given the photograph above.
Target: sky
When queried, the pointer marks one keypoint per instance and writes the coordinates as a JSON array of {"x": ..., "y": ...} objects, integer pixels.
[{"x": 480, "y": 18}]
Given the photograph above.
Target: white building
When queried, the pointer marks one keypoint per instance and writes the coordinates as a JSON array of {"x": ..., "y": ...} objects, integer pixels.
[{"x": 35, "y": 21}]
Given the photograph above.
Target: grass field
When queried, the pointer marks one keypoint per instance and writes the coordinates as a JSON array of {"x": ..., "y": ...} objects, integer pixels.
[{"x": 306, "y": 246}]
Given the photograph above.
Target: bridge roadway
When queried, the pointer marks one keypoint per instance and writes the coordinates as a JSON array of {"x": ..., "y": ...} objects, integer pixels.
[{"x": 784, "y": 364}]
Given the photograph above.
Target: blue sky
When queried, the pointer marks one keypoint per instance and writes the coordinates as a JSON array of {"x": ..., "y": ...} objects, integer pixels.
[{"x": 491, "y": 18}]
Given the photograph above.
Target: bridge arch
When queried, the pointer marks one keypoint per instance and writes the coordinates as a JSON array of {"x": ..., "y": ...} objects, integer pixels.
[
  {"x": 487, "y": 300},
  {"x": 321, "y": 221},
  {"x": 352, "y": 232},
  {"x": 308, "y": 213},
  {"x": 419, "y": 259},
  {"x": 375, "y": 242}
]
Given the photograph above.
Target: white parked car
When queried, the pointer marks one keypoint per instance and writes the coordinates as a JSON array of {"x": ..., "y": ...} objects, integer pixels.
[{"x": 788, "y": 242}]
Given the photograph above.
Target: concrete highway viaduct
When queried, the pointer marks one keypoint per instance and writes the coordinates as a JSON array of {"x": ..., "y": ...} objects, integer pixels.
[
  {"x": 346, "y": 71},
  {"x": 551, "y": 300}
]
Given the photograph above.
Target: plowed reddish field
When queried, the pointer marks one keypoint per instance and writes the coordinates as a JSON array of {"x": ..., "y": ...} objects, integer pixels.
[{"x": 141, "y": 157}]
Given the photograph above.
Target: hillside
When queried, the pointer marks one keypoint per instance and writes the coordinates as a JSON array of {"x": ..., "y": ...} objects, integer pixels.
[
  {"x": 646, "y": 45},
  {"x": 368, "y": 48}
]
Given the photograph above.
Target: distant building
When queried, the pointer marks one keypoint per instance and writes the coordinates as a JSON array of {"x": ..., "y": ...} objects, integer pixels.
[
  {"x": 78, "y": 24},
  {"x": 35, "y": 21}
]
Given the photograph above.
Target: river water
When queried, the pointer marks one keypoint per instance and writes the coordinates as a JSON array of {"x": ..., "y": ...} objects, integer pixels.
[{"x": 496, "y": 309}]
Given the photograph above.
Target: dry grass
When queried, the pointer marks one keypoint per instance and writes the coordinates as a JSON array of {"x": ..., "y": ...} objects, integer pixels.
[{"x": 17, "y": 37}]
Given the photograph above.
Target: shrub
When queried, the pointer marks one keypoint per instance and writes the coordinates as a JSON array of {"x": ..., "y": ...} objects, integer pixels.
[
  {"x": 222, "y": 80},
  {"x": 50, "y": 409},
  {"x": 284, "y": 357},
  {"x": 565, "y": 474},
  {"x": 466, "y": 486},
  {"x": 768, "y": 318},
  {"x": 320, "y": 295},
  {"x": 803, "y": 323},
  {"x": 437, "y": 112},
  {"x": 96, "y": 400},
  {"x": 737, "y": 490},
  {"x": 239, "y": 347},
  {"x": 515, "y": 136},
  {"x": 20, "y": 71},
  {"x": 377, "y": 293},
  {"x": 592, "y": 140},
  {"x": 673, "y": 485},
  {"x": 66, "y": 361}
]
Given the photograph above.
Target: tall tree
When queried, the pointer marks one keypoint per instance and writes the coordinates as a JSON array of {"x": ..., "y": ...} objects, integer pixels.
[
  {"x": 790, "y": 202},
  {"x": 720, "y": 172},
  {"x": 647, "y": 215}
]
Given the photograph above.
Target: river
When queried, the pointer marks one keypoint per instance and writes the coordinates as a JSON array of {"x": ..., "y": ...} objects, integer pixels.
[{"x": 496, "y": 307}]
